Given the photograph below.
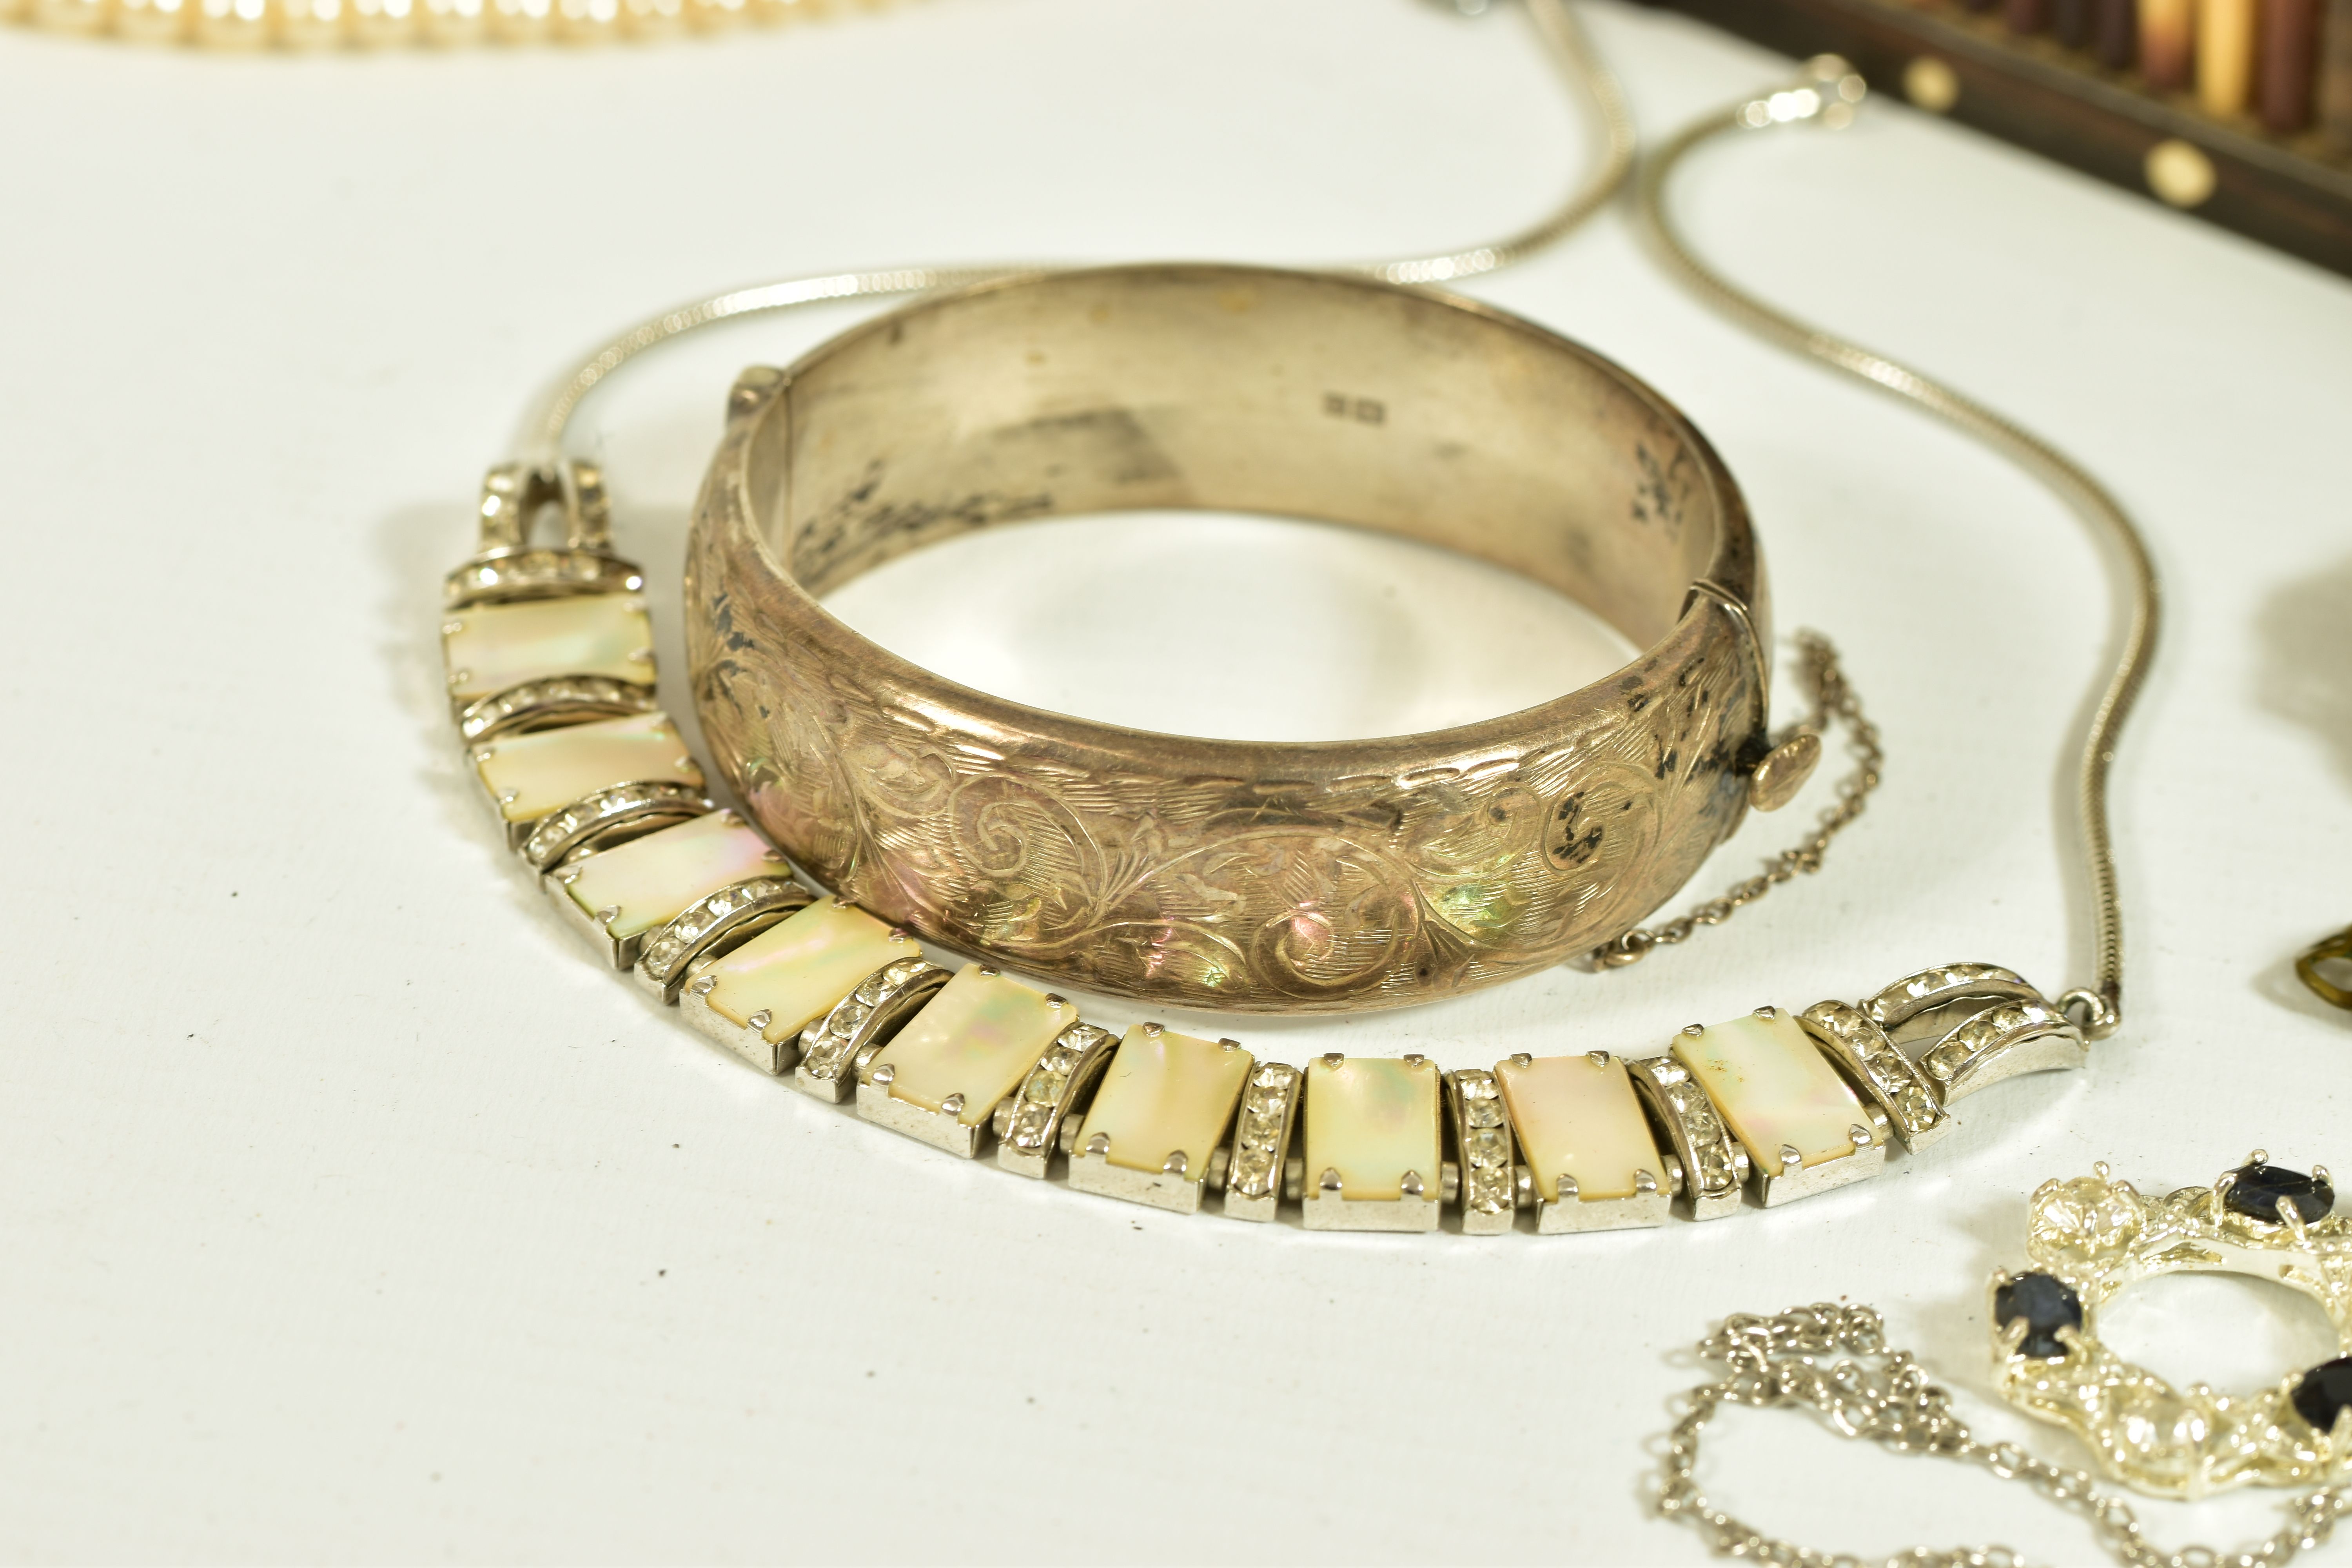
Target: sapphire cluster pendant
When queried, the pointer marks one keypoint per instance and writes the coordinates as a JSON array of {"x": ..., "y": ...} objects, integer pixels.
[{"x": 2093, "y": 1238}]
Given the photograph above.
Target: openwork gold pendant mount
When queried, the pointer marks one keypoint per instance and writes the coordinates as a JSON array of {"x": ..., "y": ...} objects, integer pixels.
[{"x": 2095, "y": 1237}]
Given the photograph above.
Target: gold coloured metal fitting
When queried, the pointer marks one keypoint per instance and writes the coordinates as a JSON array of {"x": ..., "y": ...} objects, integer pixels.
[
  {"x": 1784, "y": 769},
  {"x": 2337, "y": 948},
  {"x": 1232, "y": 876},
  {"x": 2094, "y": 1238},
  {"x": 2180, "y": 174},
  {"x": 1930, "y": 83}
]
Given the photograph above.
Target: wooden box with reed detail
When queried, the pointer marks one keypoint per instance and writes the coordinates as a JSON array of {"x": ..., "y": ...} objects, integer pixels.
[{"x": 2237, "y": 110}]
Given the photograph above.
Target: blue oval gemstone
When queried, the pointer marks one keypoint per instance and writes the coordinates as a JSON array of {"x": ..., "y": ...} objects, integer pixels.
[
  {"x": 2324, "y": 1393},
  {"x": 2047, "y": 1303},
  {"x": 2259, "y": 1190}
]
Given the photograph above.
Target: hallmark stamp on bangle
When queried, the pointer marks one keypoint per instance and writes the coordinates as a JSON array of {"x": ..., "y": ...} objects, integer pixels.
[{"x": 1362, "y": 410}]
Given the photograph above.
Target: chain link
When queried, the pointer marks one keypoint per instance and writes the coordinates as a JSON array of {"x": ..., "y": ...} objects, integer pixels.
[
  {"x": 1827, "y": 95},
  {"x": 1833, "y": 699},
  {"x": 1871, "y": 1392}
]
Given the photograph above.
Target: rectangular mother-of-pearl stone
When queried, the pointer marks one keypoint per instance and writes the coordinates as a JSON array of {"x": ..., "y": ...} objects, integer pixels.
[
  {"x": 978, "y": 1038},
  {"x": 546, "y": 770},
  {"x": 1373, "y": 1120},
  {"x": 1166, "y": 1093},
  {"x": 799, "y": 969},
  {"x": 651, "y": 881},
  {"x": 1774, "y": 1088},
  {"x": 494, "y": 646},
  {"x": 1579, "y": 1118}
]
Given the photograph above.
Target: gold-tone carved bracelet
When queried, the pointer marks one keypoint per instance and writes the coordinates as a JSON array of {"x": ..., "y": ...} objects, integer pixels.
[{"x": 549, "y": 664}]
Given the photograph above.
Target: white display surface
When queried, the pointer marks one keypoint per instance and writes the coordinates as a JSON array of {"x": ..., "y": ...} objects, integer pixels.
[{"x": 348, "y": 1213}]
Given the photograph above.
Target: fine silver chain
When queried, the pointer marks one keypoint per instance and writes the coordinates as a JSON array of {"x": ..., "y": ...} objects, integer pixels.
[
  {"x": 1834, "y": 1360},
  {"x": 1833, "y": 700},
  {"x": 1564, "y": 44},
  {"x": 1826, "y": 96}
]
